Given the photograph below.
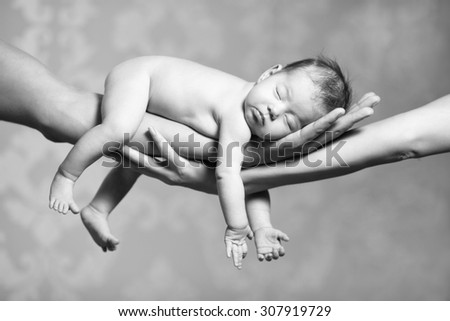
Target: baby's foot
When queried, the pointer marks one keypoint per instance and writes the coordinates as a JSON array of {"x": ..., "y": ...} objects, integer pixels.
[
  {"x": 61, "y": 195},
  {"x": 97, "y": 225}
]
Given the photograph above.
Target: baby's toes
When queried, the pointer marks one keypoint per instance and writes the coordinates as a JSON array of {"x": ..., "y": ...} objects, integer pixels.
[
  {"x": 51, "y": 203},
  {"x": 55, "y": 205},
  {"x": 111, "y": 245},
  {"x": 74, "y": 207}
]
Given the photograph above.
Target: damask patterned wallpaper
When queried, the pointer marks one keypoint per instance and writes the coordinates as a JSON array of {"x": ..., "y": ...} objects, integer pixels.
[{"x": 380, "y": 234}]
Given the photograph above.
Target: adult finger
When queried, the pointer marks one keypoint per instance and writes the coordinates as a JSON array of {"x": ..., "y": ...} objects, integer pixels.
[
  {"x": 348, "y": 121},
  {"x": 164, "y": 148},
  {"x": 139, "y": 159},
  {"x": 341, "y": 126},
  {"x": 311, "y": 131},
  {"x": 323, "y": 123},
  {"x": 368, "y": 99},
  {"x": 318, "y": 127},
  {"x": 356, "y": 113}
]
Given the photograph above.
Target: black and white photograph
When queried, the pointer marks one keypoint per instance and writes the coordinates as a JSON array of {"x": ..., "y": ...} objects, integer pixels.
[{"x": 212, "y": 150}]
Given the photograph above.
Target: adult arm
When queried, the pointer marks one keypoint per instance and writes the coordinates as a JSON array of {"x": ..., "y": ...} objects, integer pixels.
[
  {"x": 418, "y": 133},
  {"x": 176, "y": 170}
]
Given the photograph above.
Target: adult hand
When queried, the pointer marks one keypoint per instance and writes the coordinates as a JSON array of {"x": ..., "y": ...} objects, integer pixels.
[
  {"x": 176, "y": 170},
  {"x": 356, "y": 113},
  {"x": 312, "y": 136},
  {"x": 172, "y": 168}
]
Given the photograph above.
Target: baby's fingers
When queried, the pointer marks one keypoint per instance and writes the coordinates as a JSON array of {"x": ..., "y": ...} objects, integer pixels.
[
  {"x": 237, "y": 256},
  {"x": 264, "y": 253},
  {"x": 268, "y": 257},
  {"x": 282, "y": 236},
  {"x": 281, "y": 251},
  {"x": 275, "y": 253},
  {"x": 228, "y": 248},
  {"x": 244, "y": 250}
]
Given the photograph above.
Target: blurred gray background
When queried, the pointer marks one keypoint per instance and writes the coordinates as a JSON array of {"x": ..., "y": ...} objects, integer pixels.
[{"x": 380, "y": 234}]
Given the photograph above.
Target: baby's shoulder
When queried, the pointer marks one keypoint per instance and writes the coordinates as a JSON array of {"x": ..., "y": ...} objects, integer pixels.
[{"x": 234, "y": 126}]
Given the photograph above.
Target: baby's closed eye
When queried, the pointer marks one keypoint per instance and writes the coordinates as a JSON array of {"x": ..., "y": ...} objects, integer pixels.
[{"x": 292, "y": 122}]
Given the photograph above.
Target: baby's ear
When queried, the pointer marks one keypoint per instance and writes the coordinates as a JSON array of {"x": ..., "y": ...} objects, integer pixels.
[{"x": 269, "y": 72}]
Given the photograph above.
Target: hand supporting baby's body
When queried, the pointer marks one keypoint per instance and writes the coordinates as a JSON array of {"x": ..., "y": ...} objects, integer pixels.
[{"x": 222, "y": 106}]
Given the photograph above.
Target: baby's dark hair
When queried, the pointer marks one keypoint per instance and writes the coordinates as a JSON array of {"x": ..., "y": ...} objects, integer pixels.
[{"x": 334, "y": 89}]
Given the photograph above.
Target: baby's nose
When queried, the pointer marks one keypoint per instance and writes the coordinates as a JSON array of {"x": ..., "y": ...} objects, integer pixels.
[{"x": 273, "y": 112}]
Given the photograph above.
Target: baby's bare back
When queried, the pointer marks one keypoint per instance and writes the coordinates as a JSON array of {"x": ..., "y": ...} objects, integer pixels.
[{"x": 190, "y": 93}]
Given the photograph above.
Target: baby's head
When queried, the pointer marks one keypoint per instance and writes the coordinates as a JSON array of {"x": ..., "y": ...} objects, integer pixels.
[{"x": 285, "y": 99}]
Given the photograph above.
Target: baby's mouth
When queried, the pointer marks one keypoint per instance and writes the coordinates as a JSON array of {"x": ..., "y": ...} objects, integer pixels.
[{"x": 258, "y": 116}]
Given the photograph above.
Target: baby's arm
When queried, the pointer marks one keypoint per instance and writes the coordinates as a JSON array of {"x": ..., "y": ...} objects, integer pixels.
[
  {"x": 231, "y": 189},
  {"x": 124, "y": 105},
  {"x": 267, "y": 239}
]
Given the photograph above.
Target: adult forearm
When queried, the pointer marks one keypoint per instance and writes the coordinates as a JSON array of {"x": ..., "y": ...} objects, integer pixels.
[
  {"x": 417, "y": 133},
  {"x": 31, "y": 95}
]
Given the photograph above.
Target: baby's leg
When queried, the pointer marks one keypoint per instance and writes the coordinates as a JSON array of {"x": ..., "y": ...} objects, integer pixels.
[
  {"x": 123, "y": 107},
  {"x": 95, "y": 216}
]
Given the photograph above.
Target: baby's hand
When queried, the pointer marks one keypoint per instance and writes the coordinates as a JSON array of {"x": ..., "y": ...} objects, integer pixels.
[
  {"x": 268, "y": 243},
  {"x": 236, "y": 245}
]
